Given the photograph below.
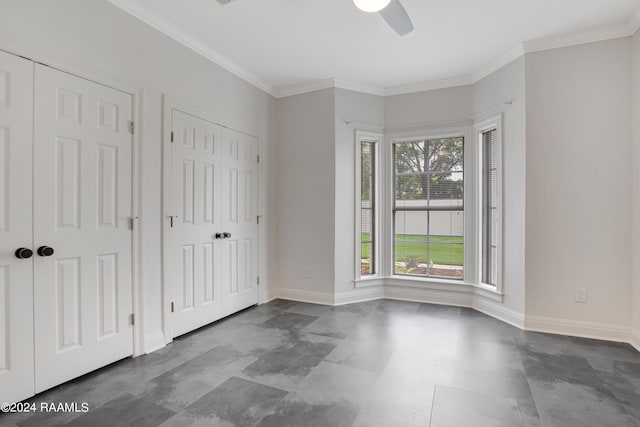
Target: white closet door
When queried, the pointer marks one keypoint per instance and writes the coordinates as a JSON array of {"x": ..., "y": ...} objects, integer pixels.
[
  {"x": 82, "y": 206},
  {"x": 16, "y": 275},
  {"x": 193, "y": 247},
  {"x": 240, "y": 207}
]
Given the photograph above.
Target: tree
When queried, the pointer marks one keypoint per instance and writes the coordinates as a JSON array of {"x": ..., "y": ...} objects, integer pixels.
[
  {"x": 367, "y": 154},
  {"x": 429, "y": 169}
]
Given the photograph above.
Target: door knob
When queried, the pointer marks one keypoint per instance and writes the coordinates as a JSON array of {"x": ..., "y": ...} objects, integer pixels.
[
  {"x": 23, "y": 253},
  {"x": 227, "y": 235},
  {"x": 219, "y": 235},
  {"x": 45, "y": 251}
]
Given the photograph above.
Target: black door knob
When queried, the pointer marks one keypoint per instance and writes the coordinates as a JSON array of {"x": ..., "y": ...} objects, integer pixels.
[
  {"x": 45, "y": 251},
  {"x": 227, "y": 235},
  {"x": 23, "y": 253},
  {"x": 219, "y": 235}
]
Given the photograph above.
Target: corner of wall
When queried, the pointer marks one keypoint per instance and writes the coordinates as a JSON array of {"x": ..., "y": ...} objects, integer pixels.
[
  {"x": 268, "y": 295},
  {"x": 359, "y": 295},
  {"x": 575, "y": 328},
  {"x": 635, "y": 339},
  {"x": 498, "y": 311},
  {"x": 635, "y": 232},
  {"x": 153, "y": 341}
]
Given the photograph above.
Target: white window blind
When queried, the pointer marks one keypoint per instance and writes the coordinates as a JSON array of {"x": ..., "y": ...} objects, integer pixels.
[
  {"x": 368, "y": 201},
  {"x": 490, "y": 207}
]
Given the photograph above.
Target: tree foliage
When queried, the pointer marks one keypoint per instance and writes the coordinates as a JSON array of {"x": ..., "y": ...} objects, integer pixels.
[
  {"x": 367, "y": 153},
  {"x": 431, "y": 169}
]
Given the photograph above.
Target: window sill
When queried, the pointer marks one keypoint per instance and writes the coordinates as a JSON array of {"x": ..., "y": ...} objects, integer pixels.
[
  {"x": 418, "y": 282},
  {"x": 489, "y": 292},
  {"x": 481, "y": 290},
  {"x": 366, "y": 282}
]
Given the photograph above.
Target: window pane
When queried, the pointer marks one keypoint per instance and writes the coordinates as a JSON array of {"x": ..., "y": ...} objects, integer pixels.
[
  {"x": 429, "y": 243},
  {"x": 428, "y": 208},
  {"x": 489, "y": 207},
  {"x": 429, "y": 170},
  {"x": 367, "y": 207}
]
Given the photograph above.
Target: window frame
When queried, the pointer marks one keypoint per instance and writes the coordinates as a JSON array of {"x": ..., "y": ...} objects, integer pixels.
[
  {"x": 377, "y": 246},
  {"x": 428, "y": 210},
  {"x": 464, "y": 130},
  {"x": 480, "y": 129}
]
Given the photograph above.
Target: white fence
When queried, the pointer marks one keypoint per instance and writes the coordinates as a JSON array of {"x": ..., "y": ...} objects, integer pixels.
[{"x": 435, "y": 223}]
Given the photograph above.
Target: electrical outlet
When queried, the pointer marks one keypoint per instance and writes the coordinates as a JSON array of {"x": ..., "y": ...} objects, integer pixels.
[
  {"x": 581, "y": 295},
  {"x": 306, "y": 273}
]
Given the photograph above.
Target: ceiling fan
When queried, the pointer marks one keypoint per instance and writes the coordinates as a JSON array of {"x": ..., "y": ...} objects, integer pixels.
[{"x": 391, "y": 10}]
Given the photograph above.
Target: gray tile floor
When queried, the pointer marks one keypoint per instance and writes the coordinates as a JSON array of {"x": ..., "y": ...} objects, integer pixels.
[{"x": 378, "y": 363}]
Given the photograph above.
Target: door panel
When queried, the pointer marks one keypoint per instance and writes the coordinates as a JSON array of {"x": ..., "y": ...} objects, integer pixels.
[
  {"x": 82, "y": 206},
  {"x": 16, "y": 275},
  {"x": 195, "y": 202},
  {"x": 240, "y": 251}
]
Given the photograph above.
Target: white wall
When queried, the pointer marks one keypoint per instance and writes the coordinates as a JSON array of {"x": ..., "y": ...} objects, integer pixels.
[
  {"x": 439, "y": 106},
  {"x": 306, "y": 189},
  {"x": 489, "y": 95},
  {"x": 92, "y": 35},
  {"x": 578, "y": 183},
  {"x": 360, "y": 109},
  {"x": 635, "y": 260}
]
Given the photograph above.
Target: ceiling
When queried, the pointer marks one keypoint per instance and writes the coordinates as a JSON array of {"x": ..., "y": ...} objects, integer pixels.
[{"x": 284, "y": 46}]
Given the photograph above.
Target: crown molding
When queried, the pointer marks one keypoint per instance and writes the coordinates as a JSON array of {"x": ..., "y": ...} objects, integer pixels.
[
  {"x": 301, "y": 88},
  {"x": 578, "y": 37},
  {"x": 428, "y": 85},
  {"x": 298, "y": 89},
  {"x": 357, "y": 87},
  {"x": 563, "y": 40},
  {"x": 148, "y": 17},
  {"x": 547, "y": 43},
  {"x": 633, "y": 24},
  {"x": 498, "y": 63}
]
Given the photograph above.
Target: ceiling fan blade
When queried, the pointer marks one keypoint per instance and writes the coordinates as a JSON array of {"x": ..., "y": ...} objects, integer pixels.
[{"x": 397, "y": 17}]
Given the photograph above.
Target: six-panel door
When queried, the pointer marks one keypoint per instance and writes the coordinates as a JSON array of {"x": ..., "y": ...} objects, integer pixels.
[
  {"x": 213, "y": 248},
  {"x": 239, "y": 207},
  {"x": 82, "y": 209},
  {"x": 16, "y": 275},
  {"x": 194, "y": 251}
]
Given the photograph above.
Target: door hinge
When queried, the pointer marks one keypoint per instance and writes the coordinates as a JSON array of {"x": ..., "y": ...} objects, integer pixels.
[
  {"x": 131, "y": 127},
  {"x": 132, "y": 222},
  {"x": 173, "y": 307},
  {"x": 258, "y": 219},
  {"x": 258, "y": 159},
  {"x": 258, "y": 280},
  {"x": 132, "y": 319},
  {"x": 172, "y": 136}
]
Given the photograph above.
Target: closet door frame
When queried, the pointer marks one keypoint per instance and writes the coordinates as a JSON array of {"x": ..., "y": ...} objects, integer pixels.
[
  {"x": 171, "y": 103},
  {"x": 136, "y": 92}
]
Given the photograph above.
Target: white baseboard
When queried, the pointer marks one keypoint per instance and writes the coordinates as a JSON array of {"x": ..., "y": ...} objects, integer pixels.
[
  {"x": 576, "y": 328},
  {"x": 268, "y": 294},
  {"x": 360, "y": 295},
  {"x": 498, "y": 311},
  {"x": 635, "y": 339},
  {"x": 153, "y": 342},
  {"x": 432, "y": 296},
  {"x": 593, "y": 330},
  {"x": 306, "y": 296}
]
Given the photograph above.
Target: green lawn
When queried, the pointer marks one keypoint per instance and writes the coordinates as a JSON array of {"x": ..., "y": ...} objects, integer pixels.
[{"x": 414, "y": 248}]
